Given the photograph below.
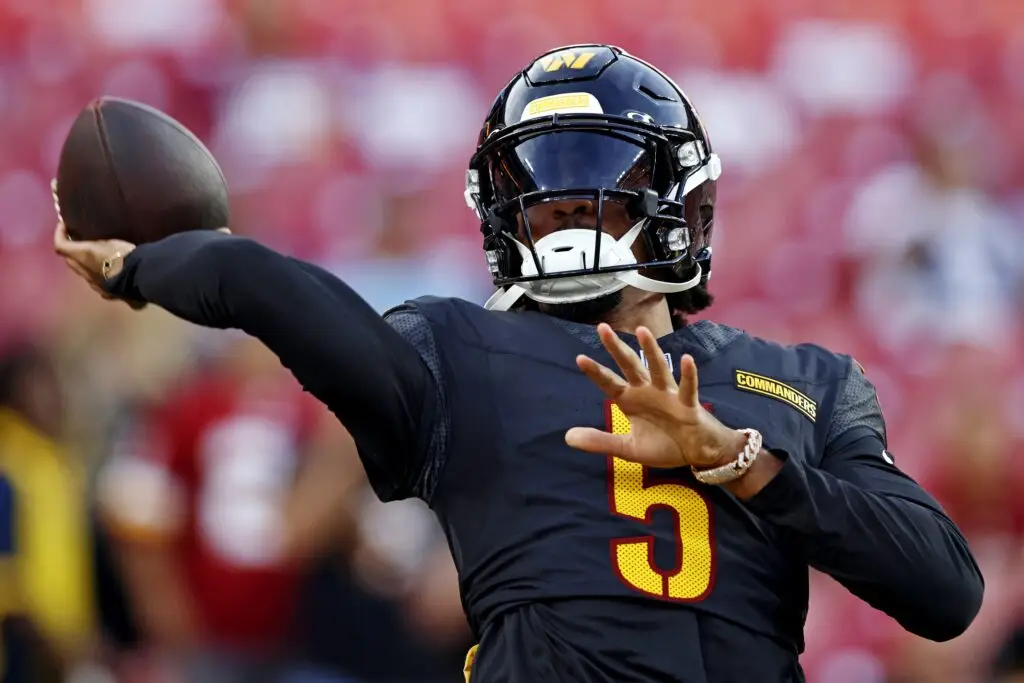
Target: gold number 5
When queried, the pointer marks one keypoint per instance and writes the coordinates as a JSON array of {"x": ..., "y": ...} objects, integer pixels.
[{"x": 630, "y": 496}]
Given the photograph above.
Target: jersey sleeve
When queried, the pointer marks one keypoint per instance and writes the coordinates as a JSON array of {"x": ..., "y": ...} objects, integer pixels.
[
  {"x": 871, "y": 527},
  {"x": 332, "y": 341},
  {"x": 857, "y": 412},
  {"x": 415, "y": 329}
]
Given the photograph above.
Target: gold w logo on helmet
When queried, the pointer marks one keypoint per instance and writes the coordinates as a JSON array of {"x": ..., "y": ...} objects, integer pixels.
[{"x": 566, "y": 60}]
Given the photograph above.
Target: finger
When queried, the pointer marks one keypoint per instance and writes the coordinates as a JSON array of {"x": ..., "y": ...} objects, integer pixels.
[
  {"x": 82, "y": 252},
  {"x": 596, "y": 441},
  {"x": 626, "y": 358},
  {"x": 606, "y": 379},
  {"x": 688, "y": 381},
  {"x": 661, "y": 374},
  {"x": 62, "y": 242}
]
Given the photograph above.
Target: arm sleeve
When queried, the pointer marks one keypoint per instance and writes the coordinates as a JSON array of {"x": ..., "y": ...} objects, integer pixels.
[
  {"x": 335, "y": 344},
  {"x": 873, "y": 528}
]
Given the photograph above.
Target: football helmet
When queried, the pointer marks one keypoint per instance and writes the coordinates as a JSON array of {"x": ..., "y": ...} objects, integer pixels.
[{"x": 591, "y": 122}]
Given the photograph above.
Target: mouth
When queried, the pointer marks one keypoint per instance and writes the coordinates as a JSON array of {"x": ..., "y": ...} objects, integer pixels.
[{"x": 568, "y": 224}]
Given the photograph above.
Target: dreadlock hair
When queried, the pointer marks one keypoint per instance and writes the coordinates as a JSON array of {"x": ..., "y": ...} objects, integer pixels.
[{"x": 689, "y": 302}]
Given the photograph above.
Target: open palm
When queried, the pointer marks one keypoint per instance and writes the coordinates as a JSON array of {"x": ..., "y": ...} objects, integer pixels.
[{"x": 668, "y": 425}]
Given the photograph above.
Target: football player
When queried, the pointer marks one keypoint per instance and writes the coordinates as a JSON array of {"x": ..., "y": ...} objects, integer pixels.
[{"x": 683, "y": 553}]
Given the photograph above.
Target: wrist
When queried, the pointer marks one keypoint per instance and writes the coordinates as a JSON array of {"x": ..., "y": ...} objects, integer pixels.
[
  {"x": 732, "y": 441},
  {"x": 760, "y": 474},
  {"x": 734, "y": 467},
  {"x": 114, "y": 264}
]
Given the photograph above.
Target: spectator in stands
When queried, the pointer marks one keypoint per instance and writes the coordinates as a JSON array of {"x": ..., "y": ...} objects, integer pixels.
[
  {"x": 211, "y": 522},
  {"x": 45, "y": 587}
]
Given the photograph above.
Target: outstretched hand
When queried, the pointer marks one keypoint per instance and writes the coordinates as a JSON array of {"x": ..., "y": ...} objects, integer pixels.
[
  {"x": 86, "y": 258},
  {"x": 669, "y": 427}
]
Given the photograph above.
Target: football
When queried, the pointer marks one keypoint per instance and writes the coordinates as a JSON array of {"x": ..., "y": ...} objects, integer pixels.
[{"x": 128, "y": 171}]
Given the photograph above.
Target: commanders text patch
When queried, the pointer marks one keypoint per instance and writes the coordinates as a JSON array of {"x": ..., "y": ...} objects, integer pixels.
[{"x": 758, "y": 384}]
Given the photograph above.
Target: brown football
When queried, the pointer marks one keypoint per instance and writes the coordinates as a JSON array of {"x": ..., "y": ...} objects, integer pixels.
[{"x": 128, "y": 171}]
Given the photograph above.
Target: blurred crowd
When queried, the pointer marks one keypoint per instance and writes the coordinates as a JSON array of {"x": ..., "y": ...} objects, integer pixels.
[{"x": 173, "y": 507}]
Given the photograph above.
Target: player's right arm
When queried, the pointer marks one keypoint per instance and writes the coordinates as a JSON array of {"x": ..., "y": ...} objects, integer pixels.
[{"x": 338, "y": 347}]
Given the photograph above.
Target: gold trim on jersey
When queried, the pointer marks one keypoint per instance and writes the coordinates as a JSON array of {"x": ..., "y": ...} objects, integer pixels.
[{"x": 467, "y": 668}]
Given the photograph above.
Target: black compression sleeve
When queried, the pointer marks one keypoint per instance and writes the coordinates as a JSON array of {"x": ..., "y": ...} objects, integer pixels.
[
  {"x": 873, "y": 529},
  {"x": 335, "y": 344}
]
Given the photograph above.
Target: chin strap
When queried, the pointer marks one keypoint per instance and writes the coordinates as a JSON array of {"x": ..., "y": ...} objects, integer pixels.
[
  {"x": 635, "y": 279},
  {"x": 504, "y": 299}
]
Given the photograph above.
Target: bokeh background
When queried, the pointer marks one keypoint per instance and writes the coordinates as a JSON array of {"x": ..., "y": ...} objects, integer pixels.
[{"x": 173, "y": 509}]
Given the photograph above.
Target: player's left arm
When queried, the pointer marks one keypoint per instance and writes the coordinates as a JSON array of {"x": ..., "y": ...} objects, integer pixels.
[{"x": 869, "y": 525}]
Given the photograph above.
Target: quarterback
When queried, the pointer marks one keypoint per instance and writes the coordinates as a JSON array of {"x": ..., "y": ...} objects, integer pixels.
[{"x": 611, "y": 518}]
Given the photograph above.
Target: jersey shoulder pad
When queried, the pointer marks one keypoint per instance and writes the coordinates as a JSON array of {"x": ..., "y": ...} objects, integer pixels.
[
  {"x": 475, "y": 325},
  {"x": 857, "y": 404},
  {"x": 853, "y": 397},
  {"x": 831, "y": 380},
  {"x": 809, "y": 363},
  {"x": 423, "y": 304},
  {"x": 432, "y": 311},
  {"x": 715, "y": 337},
  {"x": 442, "y": 308},
  {"x": 821, "y": 365}
]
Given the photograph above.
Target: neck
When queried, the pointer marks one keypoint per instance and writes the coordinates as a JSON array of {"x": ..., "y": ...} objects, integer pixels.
[{"x": 641, "y": 309}]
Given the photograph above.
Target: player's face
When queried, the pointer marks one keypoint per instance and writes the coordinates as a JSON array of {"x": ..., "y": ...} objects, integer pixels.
[
  {"x": 581, "y": 214},
  {"x": 568, "y": 214}
]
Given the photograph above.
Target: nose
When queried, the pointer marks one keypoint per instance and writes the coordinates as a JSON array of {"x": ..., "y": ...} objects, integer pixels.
[
  {"x": 563, "y": 214},
  {"x": 571, "y": 207},
  {"x": 575, "y": 213}
]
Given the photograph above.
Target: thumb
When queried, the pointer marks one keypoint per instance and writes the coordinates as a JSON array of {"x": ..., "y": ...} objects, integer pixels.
[
  {"x": 602, "y": 443},
  {"x": 64, "y": 245}
]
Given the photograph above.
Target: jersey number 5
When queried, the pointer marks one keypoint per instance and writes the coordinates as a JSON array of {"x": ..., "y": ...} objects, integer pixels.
[{"x": 633, "y": 558}]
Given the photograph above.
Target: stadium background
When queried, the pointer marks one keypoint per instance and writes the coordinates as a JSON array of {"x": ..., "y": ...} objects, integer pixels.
[{"x": 873, "y": 202}]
